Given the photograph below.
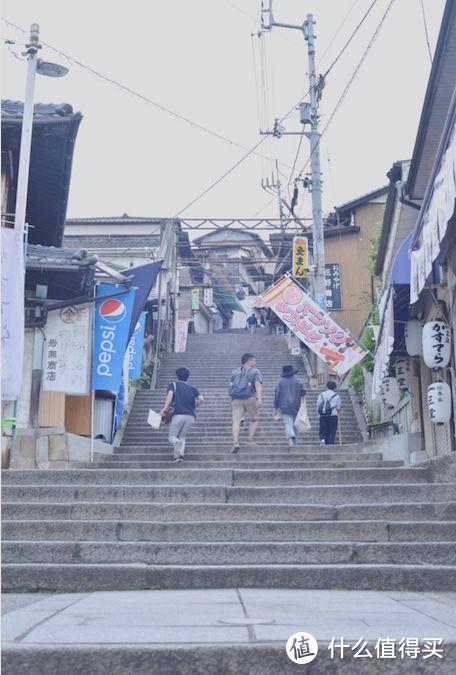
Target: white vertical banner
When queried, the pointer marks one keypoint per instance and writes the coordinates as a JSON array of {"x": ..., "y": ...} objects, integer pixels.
[
  {"x": 12, "y": 316},
  {"x": 66, "y": 359}
]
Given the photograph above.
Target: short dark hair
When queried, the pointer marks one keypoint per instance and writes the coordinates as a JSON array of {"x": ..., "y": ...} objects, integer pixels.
[
  {"x": 183, "y": 374},
  {"x": 246, "y": 357},
  {"x": 331, "y": 384}
]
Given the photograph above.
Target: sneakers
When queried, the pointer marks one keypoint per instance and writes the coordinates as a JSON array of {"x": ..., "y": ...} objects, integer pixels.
[
  {"x": 235, "y": 448},
  {"x": 179, "y": 459},
  {"x": 291, "y": 441},
  {"x": 322, "y": 442},
  {"x": 252, "y": 444},
  {"x": 178, "y": 456}
]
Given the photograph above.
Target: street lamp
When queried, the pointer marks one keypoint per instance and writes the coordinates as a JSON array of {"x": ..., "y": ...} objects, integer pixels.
[{"x": 35, "y": 65}]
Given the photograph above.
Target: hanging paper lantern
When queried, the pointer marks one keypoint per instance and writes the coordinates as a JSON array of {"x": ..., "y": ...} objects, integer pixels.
[
  {"x": 403, "y": 369},
  {"x": 413, "y": 337},
  {"x": 436, "y": 344},
  {"x": 439, "y": 402},
  {"x": 391, "y": 394}
]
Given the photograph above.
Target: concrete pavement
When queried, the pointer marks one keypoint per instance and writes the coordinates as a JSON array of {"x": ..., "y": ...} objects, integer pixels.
[{"x": 196, "y": 631}]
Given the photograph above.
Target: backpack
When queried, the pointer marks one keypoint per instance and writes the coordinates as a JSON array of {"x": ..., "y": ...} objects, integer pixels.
[
  {"x": 325, "y": 407},
  {"x": 240, "y": 384}
]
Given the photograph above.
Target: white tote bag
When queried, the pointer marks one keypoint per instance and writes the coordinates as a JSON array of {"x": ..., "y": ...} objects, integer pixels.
[
  {"x": 302, "y": 422},
  {"x": 154, "y": 419}
]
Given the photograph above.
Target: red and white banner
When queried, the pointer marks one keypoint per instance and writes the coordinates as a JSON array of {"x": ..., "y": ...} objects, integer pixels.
[{"x": 315, "y": 327}]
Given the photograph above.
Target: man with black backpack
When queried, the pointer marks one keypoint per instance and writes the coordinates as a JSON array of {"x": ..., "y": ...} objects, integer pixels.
[
  {"x": 328, "y": 407},
  {"x": 245, "y": 392}
]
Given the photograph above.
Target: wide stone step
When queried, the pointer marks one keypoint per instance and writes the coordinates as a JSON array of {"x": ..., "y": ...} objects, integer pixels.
[
  {"x": 281, "y": 449},
  {"x": 265, "y": 657},
  {"x": 122, "y": 454},
  {"x": 194, "y": 512},
  {"x": 149, "y": 463},
  {"x": 237, "y": 531},
  {"x": 310, "y": 494},
  {"x": 342, "y": 494},
  {"x": 176, "y": 475},
  {"x": 79, "y": 577},
  {"x": 175, "y": 494},
  {"x": 229, "y": 553}
]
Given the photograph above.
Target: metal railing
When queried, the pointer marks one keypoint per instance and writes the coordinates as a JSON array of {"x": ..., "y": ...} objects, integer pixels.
[{"x": 401, "y": 416}]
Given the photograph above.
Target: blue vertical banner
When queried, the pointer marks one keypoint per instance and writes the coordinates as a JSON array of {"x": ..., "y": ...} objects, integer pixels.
[
  {"x": 110, "y": 335},
  {"x": 135, "y": 348}
]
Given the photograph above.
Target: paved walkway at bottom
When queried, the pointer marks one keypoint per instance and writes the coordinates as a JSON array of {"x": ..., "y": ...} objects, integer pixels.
[{"x": 228, "y": 616}]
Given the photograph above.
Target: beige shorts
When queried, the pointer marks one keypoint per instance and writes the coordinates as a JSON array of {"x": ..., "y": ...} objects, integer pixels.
[{"x": 244, "y": 406}]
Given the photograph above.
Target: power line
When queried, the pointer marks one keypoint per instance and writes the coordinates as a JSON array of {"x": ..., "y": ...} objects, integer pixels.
[
  {"x": 341, "y": 25},
  {"x": 352, "y": 78},
  {"x": 328, "y": 70},
  {"x": 426, "y": 30},
  {"x": 140, "y": 96},
  {"x": 366, "y": 14}
]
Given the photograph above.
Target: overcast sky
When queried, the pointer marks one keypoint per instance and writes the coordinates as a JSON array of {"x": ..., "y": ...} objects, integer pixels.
[{"x": 196, "y": 58}]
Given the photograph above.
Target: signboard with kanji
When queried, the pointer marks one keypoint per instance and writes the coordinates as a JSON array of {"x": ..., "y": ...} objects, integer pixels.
[
  {"x": 332, "y": 283},
  {"x": 67, "y": 350},
  {"x": 315, "y": 327},
  {"x": 208, "y": 297},
  {"x": 195, "y": 299},
  {"x": 300, "y": 257}
]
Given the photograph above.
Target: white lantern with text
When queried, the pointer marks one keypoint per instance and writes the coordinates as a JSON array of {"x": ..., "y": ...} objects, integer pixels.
[
  {"x": 413, "y": 337},
  {"x": 439, "y": 402},
  {"x": 436, "y": 344},
  {"x": 391, "y": 394},
  {"x": 403, "y": 369}
]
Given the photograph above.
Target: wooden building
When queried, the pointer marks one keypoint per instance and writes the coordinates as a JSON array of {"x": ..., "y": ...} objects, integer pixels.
[{"x": 349, "y": 236}]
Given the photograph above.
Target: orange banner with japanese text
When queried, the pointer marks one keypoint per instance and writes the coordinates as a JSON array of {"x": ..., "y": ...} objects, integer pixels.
[{"x": 311, "y": 324}]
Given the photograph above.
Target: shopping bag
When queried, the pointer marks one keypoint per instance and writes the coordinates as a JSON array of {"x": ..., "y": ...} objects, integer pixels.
[
  {"x": 154, "y": 419},
  {"x": 302, "y": 422}
]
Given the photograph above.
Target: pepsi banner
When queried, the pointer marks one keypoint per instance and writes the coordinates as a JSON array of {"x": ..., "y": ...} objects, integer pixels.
[
  {"x": 110, "y": 335},
  {"x": 135, "y": 348}
]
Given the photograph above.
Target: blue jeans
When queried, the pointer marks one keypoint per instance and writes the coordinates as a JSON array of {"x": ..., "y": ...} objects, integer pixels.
[{"x": 290, "y": 430}]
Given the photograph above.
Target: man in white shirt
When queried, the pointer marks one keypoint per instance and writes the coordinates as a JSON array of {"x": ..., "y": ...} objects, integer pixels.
[{"x": 328, "y": 406}]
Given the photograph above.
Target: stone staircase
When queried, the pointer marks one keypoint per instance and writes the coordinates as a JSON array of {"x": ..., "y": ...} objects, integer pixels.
[{"x": 271, "y": 516}]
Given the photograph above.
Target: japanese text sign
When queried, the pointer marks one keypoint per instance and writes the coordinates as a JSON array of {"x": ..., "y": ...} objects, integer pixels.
[
  {"x": 66, "y": 359},
  {"x": 332, "y": 286},
  {"x": 315, "y": 327},
  {"x": 300, "y": 257},
  {"x": 195, "y": 299}
]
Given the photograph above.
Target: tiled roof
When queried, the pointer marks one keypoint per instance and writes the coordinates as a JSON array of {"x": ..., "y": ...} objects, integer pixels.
[
  {"x": 45, "y": 256},
  {"x": 107, "y": 241}
]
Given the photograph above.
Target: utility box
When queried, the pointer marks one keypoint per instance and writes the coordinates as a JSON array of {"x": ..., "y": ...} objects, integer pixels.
[{"x": 305, "y": 113}]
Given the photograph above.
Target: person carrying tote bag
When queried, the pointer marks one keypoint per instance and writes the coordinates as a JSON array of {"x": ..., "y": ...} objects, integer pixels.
[{"x": 288, "y": 398}]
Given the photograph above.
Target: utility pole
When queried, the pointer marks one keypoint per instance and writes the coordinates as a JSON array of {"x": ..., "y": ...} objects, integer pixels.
[
  {"x": 27, "y": 125},
  {"x": 309, "y": 116}
]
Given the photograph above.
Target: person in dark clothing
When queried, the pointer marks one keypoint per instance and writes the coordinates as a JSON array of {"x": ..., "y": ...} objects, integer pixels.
[
  {"x": 328, "y": 406},
  {"x": 186, "y": 399},
  {"x": 252, "y": 323},
  {"x": 288, "y": 394}
]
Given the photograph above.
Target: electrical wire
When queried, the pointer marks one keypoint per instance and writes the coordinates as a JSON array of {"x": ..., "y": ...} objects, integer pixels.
[
  {"x": 138, "y": 95},
  {"x": 366, "y": 14},
  {"x": 341, "y": 25},
  {"x": 328, "y": 70},
  {"x": 426, "y": 30},
  {"x": 352, "y": 79}
]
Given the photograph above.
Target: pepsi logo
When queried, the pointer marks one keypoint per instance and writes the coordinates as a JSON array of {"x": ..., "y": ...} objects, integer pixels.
[{"x": 113, "y": 310}]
